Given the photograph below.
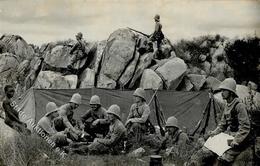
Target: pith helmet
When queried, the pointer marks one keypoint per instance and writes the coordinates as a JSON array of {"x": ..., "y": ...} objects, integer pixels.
[
  {"x": 157, "y": 17},
  {"x": 115, "y": 110},
  {"x": 229, "y": 84},
  {"x": 172, "y": 122},
  {"x": 76, "y": 98},
  {"x": 140, "y": 93},
  {"x": 79, "y": 35},
  {"x": 50, "y": 108},
  {"x": 95, "y": 100}
]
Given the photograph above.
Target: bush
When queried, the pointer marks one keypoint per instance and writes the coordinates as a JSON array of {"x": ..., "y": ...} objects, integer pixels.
[{"x": 244, "y": 56}]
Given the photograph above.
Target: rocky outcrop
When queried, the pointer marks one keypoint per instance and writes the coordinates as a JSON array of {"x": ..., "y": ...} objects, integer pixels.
[
  {"x": 197, "y": 80},
  {"x": 8, "y": 69},
  {"x": 105, "y": 82},
  {"x": 87, "y": 79},
  {"x": 150, "y": 80},
  {"x": 16, "y": 45},
  {"x": 212, "y": 83},
  {"x": 172, "y": 72},
  {"x": 118, "y": 52},
  {"x": 98, "y": 55},
  {"x": 144, "y": 62},
  {"x": 53, "y": 80}
]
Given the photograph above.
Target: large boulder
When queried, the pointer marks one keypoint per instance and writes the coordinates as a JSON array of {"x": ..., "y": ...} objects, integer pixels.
[
  {"x": 58, "y": 54},
  {"x": 197, "y": 80},
  {"x": 212, "y": 83},
  {"x": 53, "y": 80},
  {"x": 8, "y": 69},
  {"x": 150, "y": 80},
  {"x": 118, "y": 52},
  {"x": 17, "y": 45},
  {"x": 87, "y": 79},
  {"x": 185, "y": 85},
  {"x": 98, "y": 55},
  {"x": 144, "y": 62},
  {"x": 172, "y": 72},
  {"x": 128, "y": 73},
  {"x": 105, "y": 82},
  {"x": 221, "y": 70}
]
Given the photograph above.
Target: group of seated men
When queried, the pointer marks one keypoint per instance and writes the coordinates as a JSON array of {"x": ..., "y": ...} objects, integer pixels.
[{"x": 101, "y": 131}]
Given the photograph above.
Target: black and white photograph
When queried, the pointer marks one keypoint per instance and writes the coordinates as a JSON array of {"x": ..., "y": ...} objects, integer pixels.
[{"x": 129, "y": 82}]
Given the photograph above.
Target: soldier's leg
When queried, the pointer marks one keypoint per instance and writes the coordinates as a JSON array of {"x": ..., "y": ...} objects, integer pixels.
[
  {"x": 97, "y": 148},
  {"x": 203, "y": 157}
]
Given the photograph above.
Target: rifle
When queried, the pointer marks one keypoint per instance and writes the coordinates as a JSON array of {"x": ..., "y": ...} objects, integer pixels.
[{"x": 139, "y": 32}]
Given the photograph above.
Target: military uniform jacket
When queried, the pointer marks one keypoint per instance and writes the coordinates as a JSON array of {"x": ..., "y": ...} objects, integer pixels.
[
  {"x": 139, "y": 114},
  {"x": 235, "y": 121},
  {"x": 47, "y": 126},
  {"x": 115, "y": 136},
  {"x": 178, "y": 139},
  {"x": 92, "y": 115}
]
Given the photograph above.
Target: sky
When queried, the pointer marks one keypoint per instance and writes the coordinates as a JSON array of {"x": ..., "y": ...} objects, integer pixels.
[{"x": 41, "y": 21}]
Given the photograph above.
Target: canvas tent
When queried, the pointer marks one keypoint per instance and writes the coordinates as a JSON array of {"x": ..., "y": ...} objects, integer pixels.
[{"x": 194, "y": 110}]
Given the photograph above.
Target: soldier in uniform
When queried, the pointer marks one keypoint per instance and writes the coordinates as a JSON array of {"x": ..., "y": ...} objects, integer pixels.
[
  {"x": 176, "y": 140},
  {"x": 113, "y": 142},
  {"x": 65, "y": 119},
  {"x": 11, "y": 115},
  {"x": 157, "y": 35},
  {"x": 235, "y": 121},
  {"x": 78, "y": 50},
  {"x": 95, "y": 121},
  {"x": 47, "y": 126},
  {"x": 138, "y": 122}
]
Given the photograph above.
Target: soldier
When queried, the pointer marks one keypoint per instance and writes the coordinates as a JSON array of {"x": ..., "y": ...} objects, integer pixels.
[
  {"x": 234, "y": 121},
  {"x": 157, "y": 34},
  {"x": 78, "y": 50},
  {"x": 65, "y": 119},
  {"x": 113, "y": 141},
  {"x": 138, "y": 122},
  {"x": 95, "y": 120},
  {"x": 47, "y": 126},
  {"x": 11, "y": 115},
  {"x": 176, "y": 140}
]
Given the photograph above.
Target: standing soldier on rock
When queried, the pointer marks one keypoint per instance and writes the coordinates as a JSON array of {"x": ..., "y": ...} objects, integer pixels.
[
  {"x": 235, "y": 122},
  {"x": 78, "y": 51},
  {"x": 157, "y": 35},
  {"x": 138, "y": 122},
  {"x": 95, "y": 121}
]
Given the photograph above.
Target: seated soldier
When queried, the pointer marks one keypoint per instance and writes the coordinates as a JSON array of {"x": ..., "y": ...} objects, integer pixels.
[
  {"x": 176, "y": 140},
  {"x": 11, "y": 115},
  {"x": 47, "y": 126},
  {"x": 65, "y": 119},
  {"x": 95, "y": 121},
  {"x": 235, "y": 122},
  {"x": 138, "y": 122},
  {"x": 113, "y": 142}
]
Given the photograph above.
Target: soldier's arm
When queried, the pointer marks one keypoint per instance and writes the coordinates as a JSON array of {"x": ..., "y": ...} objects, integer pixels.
[
  {"x": 113, "y": 138},
  {"x": 157, "y": 27},
  {"x": 74, "y": 48},
  {"x": 221, "y": 126},
  {"x": 68, "y": 124},
  {"x": 244, "y": 123},
  {"x": 105, "y": 119},
  {"x": 130, "y": 115},
  {"x": 144, "y": 117}
]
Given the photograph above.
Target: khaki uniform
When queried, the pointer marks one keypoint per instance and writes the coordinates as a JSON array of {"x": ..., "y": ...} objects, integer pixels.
[
  {"x": 235, "y": 121},
  {"x": 139, "y": 126},
  {"x": 176, "y": 144},
  {"x": 78, "y": 50},
  {"x": 112, "y": 143},
  {"x": 91, "y": 115},
  {"x": 47, "y": 126}
]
